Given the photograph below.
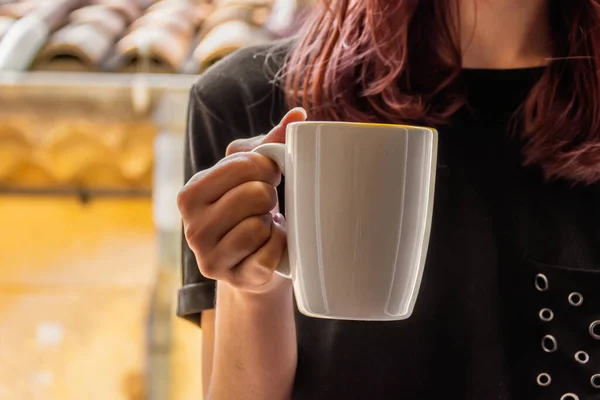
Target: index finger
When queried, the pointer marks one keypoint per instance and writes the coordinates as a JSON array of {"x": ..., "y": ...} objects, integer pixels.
[
  {"x": 208, "y": 186},
  {"x": 275, "y": 135}
]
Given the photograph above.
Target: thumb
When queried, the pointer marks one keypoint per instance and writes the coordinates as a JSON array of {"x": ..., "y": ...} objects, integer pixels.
[{"x": 276, "y": 135}]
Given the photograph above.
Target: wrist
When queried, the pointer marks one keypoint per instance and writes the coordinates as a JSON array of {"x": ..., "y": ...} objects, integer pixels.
[{"x": 278, "y": 286}]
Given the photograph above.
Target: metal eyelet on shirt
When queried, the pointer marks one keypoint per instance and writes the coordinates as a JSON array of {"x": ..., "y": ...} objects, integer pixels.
[
  {"x": 541, "y": 282},
  {"x": 546, "y": 315},
  {"x": 582, "y": 357},
  {"x": 544, "y": 379},
  {"x": 595, "y": 381},
  {"x": 569, "y": 396},
  {"x": 575, "y": 299},
  {"x": 549, "y": 344},
  {"x": 595, "y": 329}
]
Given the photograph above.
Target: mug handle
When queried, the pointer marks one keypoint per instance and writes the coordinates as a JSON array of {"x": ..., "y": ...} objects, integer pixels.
[{"x": 276, "y": 152}]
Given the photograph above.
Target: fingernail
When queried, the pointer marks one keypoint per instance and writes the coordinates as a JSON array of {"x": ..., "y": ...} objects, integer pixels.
[
  {"x": 302, "y": 110},
  {"x": 279, "y": 219}
]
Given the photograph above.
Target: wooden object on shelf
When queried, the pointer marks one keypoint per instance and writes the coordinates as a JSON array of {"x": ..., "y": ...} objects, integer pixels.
[
  {"x": 11, "y": 12},
  {"x": 5, "y": 23},
  {"x": 225, "y": 39},
  {"x": 26, "y": 36},
  {"x": 251, "y": 13},
  {"x": 131, "y": 9},
  {"x": 75, "y": 151},
  {"x": 85, "y": 42},
  {"x": 134, "y": 36},
  {"x": 160, "y": 40},
  {"x": 252, "y": 3},
  {"x": 232, "y": 25},
  {"x": 14, "y": 147},
  {"x": 18, "y": 9}
]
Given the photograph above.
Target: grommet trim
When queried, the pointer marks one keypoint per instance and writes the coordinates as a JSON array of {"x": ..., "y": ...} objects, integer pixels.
[
  {"x": 544, "y": 379},
  {"x": 549, "y": 344},
  {"x": 541, "y": 282},
  {"x": 575, "y": 299},
  {"x": 595, "y": 329},
  {"x": 595, "y": 381},
  {"x": 569, "y": 396},
  {"x": 582, "y": 357},
  {"x": 546, "y": 315}
]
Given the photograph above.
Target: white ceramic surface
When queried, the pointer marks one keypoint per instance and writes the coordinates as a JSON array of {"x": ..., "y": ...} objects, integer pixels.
[{"x": 358, "y": 201}]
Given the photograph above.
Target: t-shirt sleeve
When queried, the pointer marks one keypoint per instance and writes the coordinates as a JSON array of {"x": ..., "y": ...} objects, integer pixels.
[
  {"x": 236, "y": 98},
  {"x": 205, "y": 143}
]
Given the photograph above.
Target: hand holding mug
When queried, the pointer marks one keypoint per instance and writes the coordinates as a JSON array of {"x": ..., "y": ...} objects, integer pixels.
[
  {"x": 359, "y": 203},
  {"x": 227, "y": 214}
]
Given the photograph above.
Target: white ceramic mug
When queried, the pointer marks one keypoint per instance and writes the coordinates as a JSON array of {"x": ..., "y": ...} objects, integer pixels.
[{"x": 358, "y": 203}]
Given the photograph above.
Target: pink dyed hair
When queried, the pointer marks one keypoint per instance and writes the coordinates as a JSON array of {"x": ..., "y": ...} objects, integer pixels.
[{"x": 397, "y": 61}]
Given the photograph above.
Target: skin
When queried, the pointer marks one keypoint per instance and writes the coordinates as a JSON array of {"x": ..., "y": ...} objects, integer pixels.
[
  {"x": 503, "y": 34},
  {"x": 239, "y": 243},
  {"x": 231, "y": 224}
]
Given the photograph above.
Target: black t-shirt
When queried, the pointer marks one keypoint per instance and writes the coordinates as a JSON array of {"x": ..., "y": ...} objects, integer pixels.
[{"x": 505, "y": 245}]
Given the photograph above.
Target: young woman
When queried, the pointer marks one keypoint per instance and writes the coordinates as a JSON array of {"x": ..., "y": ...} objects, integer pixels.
[{"x": 509, "y": 306}]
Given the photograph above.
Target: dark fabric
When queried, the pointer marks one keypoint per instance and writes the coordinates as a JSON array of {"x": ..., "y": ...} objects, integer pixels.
[
  {"x": 233, "y": 99},
  {"x": 476, "y": 332}
]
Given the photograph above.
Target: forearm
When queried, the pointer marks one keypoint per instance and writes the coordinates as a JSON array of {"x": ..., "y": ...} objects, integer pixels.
[{"x": 255, "y": 353}]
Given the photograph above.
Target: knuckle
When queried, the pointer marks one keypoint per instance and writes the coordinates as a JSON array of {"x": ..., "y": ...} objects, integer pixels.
[
  {"x": 262, "y": 195},
  {"x": 188, "y": 231},
  {"x": 183, "y": 200},
  {"x": 208, "y": 268},
  {"x": 263, "y": 163},
  {"x": 207, "y": 265},
  {"x": 253, "y": 166},
  {"x": 196, "y": 236},
  {"x": 260, "y": 228},
  {"x": 201, "y": 237},
  {"x": 187, "y": 194},
  {"x": 240, "y": 163},
  {"x": 249, "y": 237}
]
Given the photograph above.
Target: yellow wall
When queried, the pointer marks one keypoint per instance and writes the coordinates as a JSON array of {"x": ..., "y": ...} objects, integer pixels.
[
  {"x": 186, "y": 367},
  {"x": 75, "y": 282}
]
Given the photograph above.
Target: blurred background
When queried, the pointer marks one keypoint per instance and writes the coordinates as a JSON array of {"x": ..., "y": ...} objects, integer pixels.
[{"x": 93, "y": 100}]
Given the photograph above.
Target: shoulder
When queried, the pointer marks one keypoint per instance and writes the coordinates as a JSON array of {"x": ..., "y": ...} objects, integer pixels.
[
  {"x": 250, "y": 65},
  {"x": 246, "y": 79}
]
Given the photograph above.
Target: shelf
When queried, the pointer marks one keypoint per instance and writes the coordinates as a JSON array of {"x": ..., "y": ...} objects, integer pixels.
[
  {"x": 86, "y": 132},
  {"x": 87, "y": 80}
]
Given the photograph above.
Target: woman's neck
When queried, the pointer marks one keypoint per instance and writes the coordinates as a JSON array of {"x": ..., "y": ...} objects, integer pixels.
[{"x": 503, "y": 34}]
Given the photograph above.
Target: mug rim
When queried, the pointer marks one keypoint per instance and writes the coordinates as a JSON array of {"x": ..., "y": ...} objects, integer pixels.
[{"x": 361, "y": 124}]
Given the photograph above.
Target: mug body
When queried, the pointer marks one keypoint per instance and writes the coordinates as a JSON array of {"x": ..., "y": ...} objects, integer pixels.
[{"x": 359, "y": 201}]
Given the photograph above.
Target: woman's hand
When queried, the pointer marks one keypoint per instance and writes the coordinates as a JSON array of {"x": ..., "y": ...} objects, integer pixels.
[{"x": 227, "y": 214}]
